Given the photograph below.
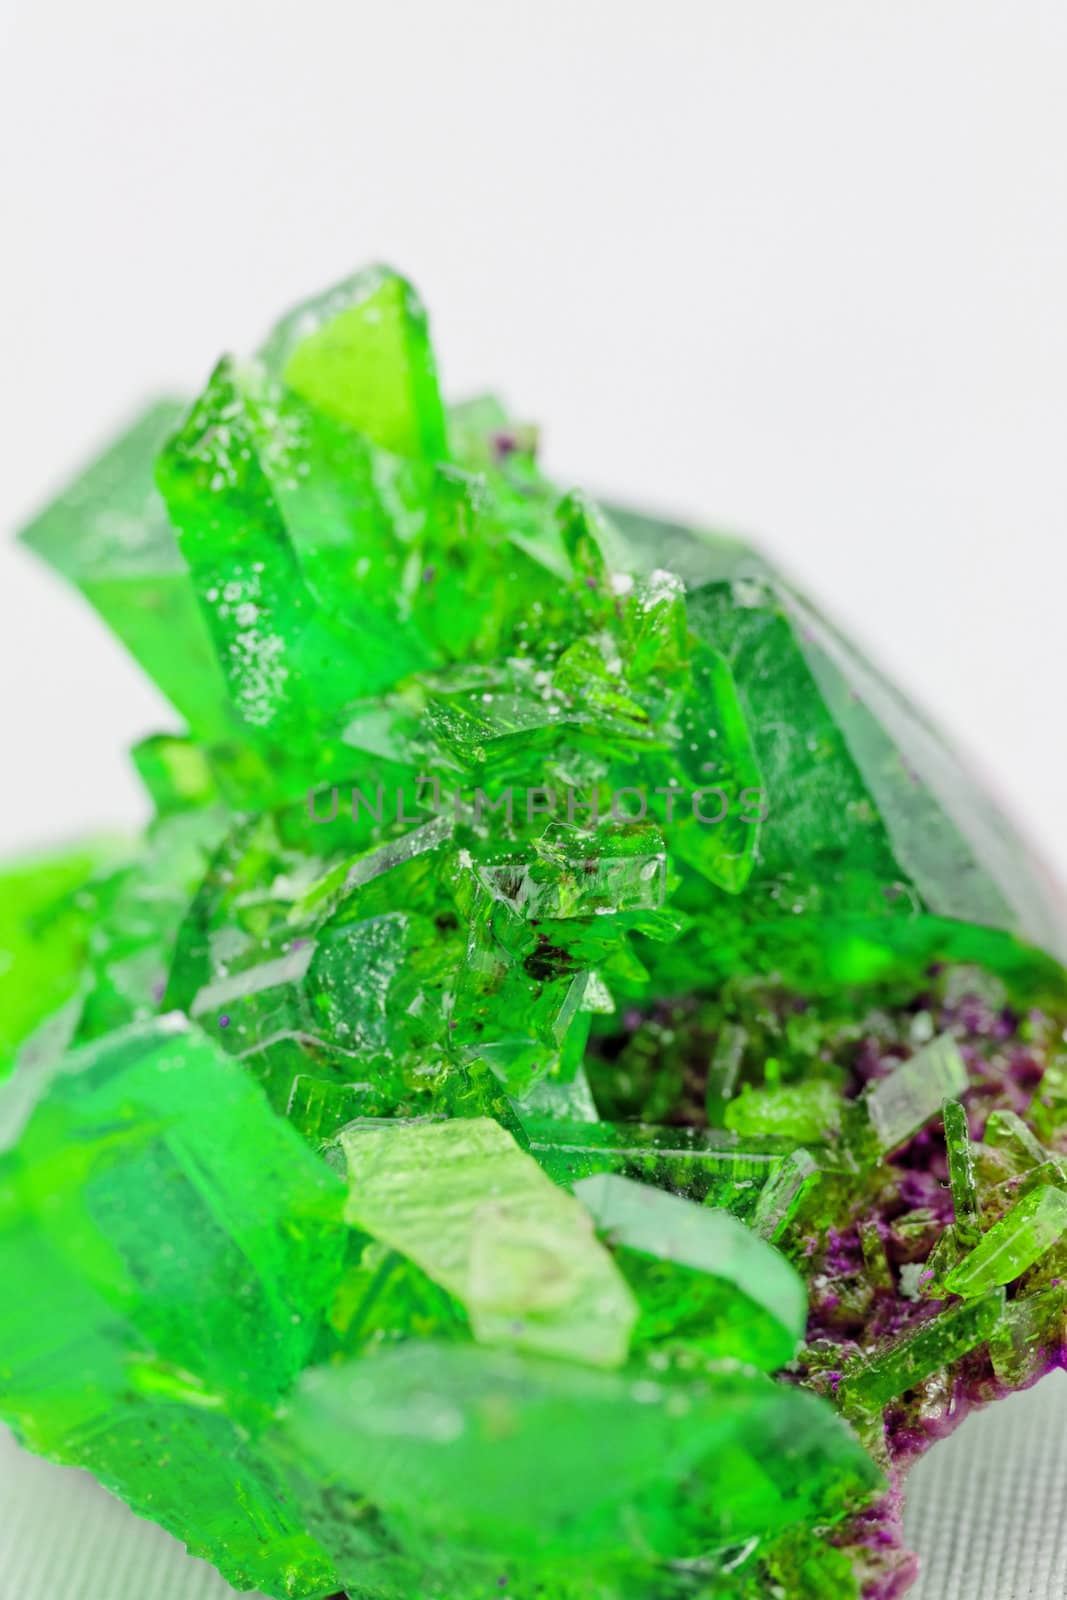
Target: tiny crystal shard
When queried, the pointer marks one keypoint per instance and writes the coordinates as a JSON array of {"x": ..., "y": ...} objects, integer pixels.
[{"x": 567, "y": 1097}]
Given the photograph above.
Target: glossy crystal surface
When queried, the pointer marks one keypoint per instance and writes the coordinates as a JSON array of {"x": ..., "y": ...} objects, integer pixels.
[{"x": 567, "y": 1097}]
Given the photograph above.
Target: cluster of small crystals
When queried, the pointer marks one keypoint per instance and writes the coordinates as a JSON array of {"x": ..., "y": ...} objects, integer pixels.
[{"x": 426, "y": 1172}]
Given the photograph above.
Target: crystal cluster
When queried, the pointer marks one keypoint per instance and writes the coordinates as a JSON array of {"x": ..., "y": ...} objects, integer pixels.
[{"x": 568, "y": 1096}]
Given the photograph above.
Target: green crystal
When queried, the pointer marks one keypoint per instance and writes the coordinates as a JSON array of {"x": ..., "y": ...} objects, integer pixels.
[
  {"x": 961, "y": 1174},
  {"x": 109, "y": 535},
  {"x": 486, "y": 1132},
  {"x": 438, "y": 1437},
  {"x": 173, "y": 1244},
  {"x": 711, "y": 1166},
  {"x": 1014, "y": 1243},
  {"x": 678, "y": 1256},
  {"x": 480, "y": 1218},
  {"x": 782, "y": 1197},
  {"x": 175, "y": 771},
  {"x": 361, "y": 354},
  {"x": 46, "y": 914},
  {"x": 875, "y": 1259},
  {"x": 792, "y": 1111},
  {"x": 1031, "y": 1337},
  {"x": 1005, "y": 1130},
  {"x": 933, "y": 1346},
  {"x": 900, "y": 1104}
]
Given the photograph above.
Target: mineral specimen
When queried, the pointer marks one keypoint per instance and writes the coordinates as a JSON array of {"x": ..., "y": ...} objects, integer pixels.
[{"x": 567, "y": 1098}]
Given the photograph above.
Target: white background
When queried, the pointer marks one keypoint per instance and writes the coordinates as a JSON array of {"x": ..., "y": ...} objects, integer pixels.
[{"x": 796, "y": 267}]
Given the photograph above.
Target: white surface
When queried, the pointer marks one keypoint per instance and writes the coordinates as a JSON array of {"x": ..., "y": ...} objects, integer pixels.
[
  {"x": 985, "y": 1507},
  {"x": 794, "y": 268},
  {"x": 61, "y": 1535}
]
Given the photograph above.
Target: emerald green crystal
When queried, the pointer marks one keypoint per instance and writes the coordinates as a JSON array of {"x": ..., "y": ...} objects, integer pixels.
[
  {"x": 781, "y": 1199},
  {"x": 46, "y": 914},
  {"x": 718, "y": 1168},
  {"x": 1014, "y": 1243},
  {"x": 679, "y": 1256},
  {"x": 361, "y": 354},
  {"x": 571, "y": 1044},
  {"x": 439, "y": 1437},
  {"x": 934, "y": 1345},
  {"x": 961, "y": 1174},
  {"x": 109, "y": 535},
  {"x": 793, "y": 1111},
  {"x": 174, "y": 1245}
]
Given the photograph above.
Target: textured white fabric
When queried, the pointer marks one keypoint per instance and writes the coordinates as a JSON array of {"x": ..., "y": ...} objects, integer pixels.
[
  {"x": 987, "y": 1508},
  {"x": 987, "y": 1511},
  {"x": 63, "y": 1538}
]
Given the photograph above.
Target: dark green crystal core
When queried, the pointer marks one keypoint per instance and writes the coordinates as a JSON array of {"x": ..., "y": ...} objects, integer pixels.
[{"x": 567, "y": 1097}]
